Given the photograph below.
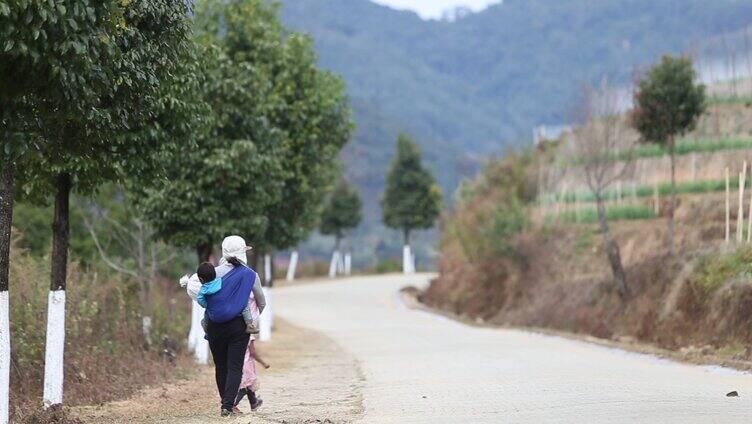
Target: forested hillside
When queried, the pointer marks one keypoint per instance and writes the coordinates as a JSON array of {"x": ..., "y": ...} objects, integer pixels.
[{"x": 476, "y": 85}]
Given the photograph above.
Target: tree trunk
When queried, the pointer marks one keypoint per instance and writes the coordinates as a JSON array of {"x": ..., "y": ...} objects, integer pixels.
[
  {"x": 55, "y": 342},
  {"x": 672, "y": 202},
  {"x": 407, "y": 236},
  {"x": 7, "y": 175},
  {"x": 269, "y": 269},
  {"x": 253, "y": 260},
  {"x": 196, "y": 340},
  {"x": 612, "y": 251},
  {"x": 60, "y": 232},
  {"x": 204, "y": 252},
  {"x": 6, "y": 220}
]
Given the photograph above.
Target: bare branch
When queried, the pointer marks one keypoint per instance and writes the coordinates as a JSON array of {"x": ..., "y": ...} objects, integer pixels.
[{"x": 102, "y": 254}]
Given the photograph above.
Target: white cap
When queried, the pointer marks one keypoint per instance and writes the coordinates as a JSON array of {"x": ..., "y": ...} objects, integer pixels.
[{"x": 235, "y": 247}]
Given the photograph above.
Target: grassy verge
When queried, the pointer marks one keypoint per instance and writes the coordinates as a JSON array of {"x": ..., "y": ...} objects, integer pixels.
[{"x": 716, "y": 269}]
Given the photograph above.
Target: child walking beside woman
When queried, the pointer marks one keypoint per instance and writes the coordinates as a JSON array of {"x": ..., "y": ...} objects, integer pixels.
[{"x": 249, "y": 384}]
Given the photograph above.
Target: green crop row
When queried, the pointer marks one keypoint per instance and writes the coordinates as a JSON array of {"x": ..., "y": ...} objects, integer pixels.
[
  {"x": 686, "y": 147},
  {"x": 613, "y": 213},
  {"x": 730, "y": 100},
  {"x": 683, "y": 147},
  {"x": 664, "y": 189}
]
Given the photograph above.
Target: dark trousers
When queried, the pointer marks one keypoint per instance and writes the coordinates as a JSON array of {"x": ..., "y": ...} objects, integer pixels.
[{"x": 228, "y": 342}]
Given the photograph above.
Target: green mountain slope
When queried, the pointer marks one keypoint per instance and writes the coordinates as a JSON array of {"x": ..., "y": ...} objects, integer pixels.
[{"x": 472, "y": 87}]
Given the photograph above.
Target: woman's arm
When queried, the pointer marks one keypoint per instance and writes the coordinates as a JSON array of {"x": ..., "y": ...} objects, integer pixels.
[{"x": 258, "y": 294}]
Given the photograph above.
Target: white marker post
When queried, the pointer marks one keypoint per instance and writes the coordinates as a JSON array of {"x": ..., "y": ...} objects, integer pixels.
[
  {"x": 4, "y": 357},
  {"x": 740, "y": 215},
  {"x": 728, "y": 206},
  {"x": 55, "y": 348},
  {"x": 293, "y": 265}
]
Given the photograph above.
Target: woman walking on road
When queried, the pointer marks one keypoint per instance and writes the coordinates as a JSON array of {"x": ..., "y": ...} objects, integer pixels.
[{"x": 226, "y": 329}]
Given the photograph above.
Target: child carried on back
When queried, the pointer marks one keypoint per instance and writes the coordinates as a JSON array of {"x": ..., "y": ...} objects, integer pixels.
[{"x": 211, "y": 284}]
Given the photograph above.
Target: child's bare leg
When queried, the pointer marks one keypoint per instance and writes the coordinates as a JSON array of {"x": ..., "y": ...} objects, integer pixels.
[{"x": 255, "y": 355}]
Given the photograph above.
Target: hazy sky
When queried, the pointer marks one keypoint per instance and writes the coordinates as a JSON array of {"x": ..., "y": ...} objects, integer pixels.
[{"x": 433, "y": 8}]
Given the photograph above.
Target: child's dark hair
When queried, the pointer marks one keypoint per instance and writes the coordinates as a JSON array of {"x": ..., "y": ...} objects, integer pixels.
[
  {"x": 206, "y": 272},
  {"x": 232, "y": 260}
]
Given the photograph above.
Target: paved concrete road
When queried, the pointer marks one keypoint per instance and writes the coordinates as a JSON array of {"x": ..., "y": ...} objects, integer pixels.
[{"x": 421, "y": 368}]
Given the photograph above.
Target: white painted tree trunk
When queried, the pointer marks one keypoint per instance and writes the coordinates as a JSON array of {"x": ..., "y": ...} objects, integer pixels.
[
  {"x": 54, "y": 349},
  {"x": 201, "y": 353},
  {"x": 293, "y": 265},
  {"x": 266, "y": 318},
  {"x": 341, "y": 264},
  {"x": 4, "y": 357},
  {"x": 333, "y": 264},
  {"x": 197, "y": 333},
  {"x": 408, "y": 261},
  {"x": 348, "y": 263},
  {"x": 146, "y": 329},
  {"x": 267, "y": 269},
  {"x": 196, "y": 341}
]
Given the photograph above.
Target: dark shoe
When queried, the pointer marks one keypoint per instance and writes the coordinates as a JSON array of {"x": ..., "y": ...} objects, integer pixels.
[
  {"x": 226, "y": 413},
  {"x": 241, "y": 394},
  {"x": 257, "y": 404}
]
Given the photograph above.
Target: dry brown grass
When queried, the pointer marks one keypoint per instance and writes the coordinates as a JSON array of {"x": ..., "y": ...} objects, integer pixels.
[
  {"x": 105, "y": 356},
  {"x": 563, "y": 283}
]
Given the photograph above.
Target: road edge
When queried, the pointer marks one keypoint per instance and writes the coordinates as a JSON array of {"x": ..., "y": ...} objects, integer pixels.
[{"x": 409, "y": 296}]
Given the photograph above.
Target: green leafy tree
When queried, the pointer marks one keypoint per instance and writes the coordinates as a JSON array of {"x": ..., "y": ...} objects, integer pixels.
[
  {"x": 146, "y": 42},
  {"x": 412, "y": 200},
  {"x": 667, "y": 104},
  {"x": 306, "y": 107},
  {"x": 316, "y": 124},
  {"x": 100, "y": 67},
  {"x": 271, "y": 151},
  {"x": 46, "y": 51},
  {"x": 342, "y": 212},
  {"x": 224, "y": 184}
]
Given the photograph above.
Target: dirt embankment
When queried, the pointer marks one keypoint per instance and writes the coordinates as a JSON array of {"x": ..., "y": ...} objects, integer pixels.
[{"x": 700, "y": 301}]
